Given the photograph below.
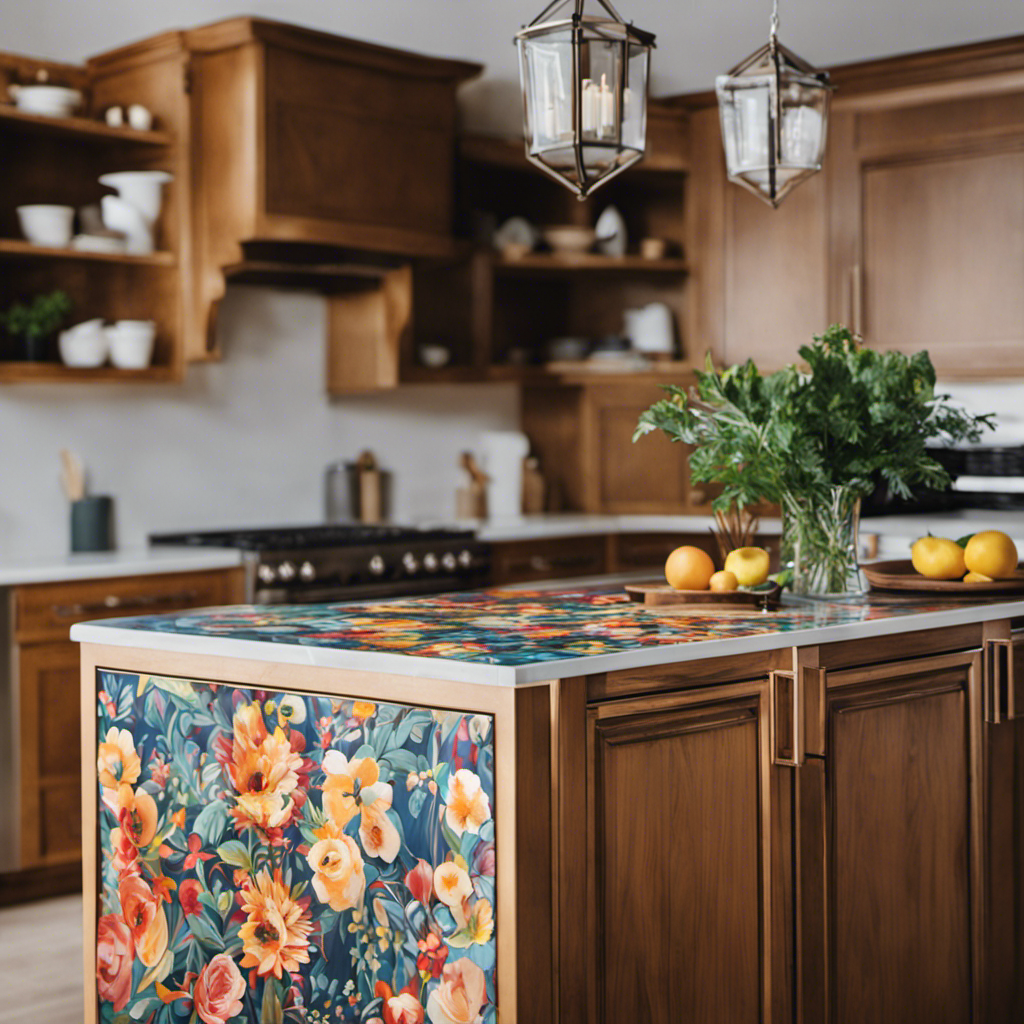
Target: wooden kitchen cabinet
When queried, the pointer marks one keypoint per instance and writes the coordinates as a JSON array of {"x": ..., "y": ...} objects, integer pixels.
[
  {"x": 45, "y": 669},
  {"x": 679, "y": 845},
  {"x": 891, "y": 844}
]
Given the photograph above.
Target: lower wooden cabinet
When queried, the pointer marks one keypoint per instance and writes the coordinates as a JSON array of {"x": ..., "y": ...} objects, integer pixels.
[
  {"x": 45, "y": 668},
  {"x": 865, "y": 866},
  {"x": 681, "y": 858}
]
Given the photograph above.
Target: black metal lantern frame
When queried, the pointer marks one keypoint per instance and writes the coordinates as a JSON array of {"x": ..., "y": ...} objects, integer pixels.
[
  {"x": 569, "y": 150},
  {"x": 791, "y": 83}
]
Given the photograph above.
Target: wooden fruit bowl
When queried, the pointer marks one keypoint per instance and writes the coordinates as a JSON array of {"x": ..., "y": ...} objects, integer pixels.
[
  {"x": 662, "y": 595},
  {"x": 901, "y": 575}
]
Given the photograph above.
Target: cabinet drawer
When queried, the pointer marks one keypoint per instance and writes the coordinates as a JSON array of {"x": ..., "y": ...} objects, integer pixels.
[
  {"x": 650, "y": 550},
  {"x": 48, "y": 610},
  {"x": 558, "y": 558}
]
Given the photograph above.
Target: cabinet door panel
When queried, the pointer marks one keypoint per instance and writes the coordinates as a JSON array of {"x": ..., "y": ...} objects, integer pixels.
[
  {"x": 681, "y": 862},
  {"x": 903, "y": 842}
]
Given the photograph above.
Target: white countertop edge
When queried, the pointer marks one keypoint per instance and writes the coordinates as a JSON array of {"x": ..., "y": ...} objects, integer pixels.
[
  {"x": 580, "y": 524},
  {"x": 527, "y": 675},
  {"x": 114, "y": 564}
]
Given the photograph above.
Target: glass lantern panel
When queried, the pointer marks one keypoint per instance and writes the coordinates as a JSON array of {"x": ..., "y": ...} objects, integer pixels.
[
  {"x": 744, "y": 110},
  {"x": 634, "y": 103},
  {"x": 804, "y": 113},
  {"x": 546, "y": 67}
]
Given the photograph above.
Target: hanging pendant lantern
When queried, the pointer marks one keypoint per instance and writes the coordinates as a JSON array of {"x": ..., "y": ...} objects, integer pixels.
[
  {"x": 584, "y": 80},
  {"x": 774, "y": 112}
]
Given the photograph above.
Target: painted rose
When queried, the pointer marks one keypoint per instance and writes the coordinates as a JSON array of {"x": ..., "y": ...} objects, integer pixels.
[
  {"x": 451, "y": 883},
  {"x": 117, "y": 761},
  {"x": 188, "y": 897},
  {"x": 460, "y": 996},
  {"x": 276, "y": 931},
  {"x": 400, "y": 1008},
  {"x": 354, "y": 787},
  {"x": 114, "y": 954},
  {"x": 143, "y": 912},
  {"x": 219, "y": 990},
  {"x": 468, "y": 807},
  {"x": 338, "y": 878},
  {"x": 264, "y": 771}
]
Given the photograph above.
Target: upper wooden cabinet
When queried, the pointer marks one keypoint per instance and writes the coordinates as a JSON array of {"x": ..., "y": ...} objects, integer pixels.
[{"x": 913, "y": 233}]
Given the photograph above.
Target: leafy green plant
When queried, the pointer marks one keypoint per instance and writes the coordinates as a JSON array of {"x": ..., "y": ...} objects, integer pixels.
[
  {"x": 853, "y": 415},
  {"x": 38, "y": 319}
]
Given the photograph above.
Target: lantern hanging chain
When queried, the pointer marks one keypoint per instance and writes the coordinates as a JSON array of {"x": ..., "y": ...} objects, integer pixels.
[{"x": 775, "y": 24}]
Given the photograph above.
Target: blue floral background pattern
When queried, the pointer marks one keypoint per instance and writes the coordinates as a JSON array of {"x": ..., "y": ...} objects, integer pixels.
[{"x": 271, "y": 857}]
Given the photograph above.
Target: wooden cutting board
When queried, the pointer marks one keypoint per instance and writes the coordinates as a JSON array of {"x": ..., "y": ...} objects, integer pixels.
[
  {"x": 901, "y": 575},
  {"x": 661, "y": 595}
]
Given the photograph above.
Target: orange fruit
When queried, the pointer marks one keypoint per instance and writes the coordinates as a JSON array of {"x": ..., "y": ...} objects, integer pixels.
[
  {"x": 723, "y": 580},
  {"x": 689, "y": 568},
  {"x": 991, "y": 553}
]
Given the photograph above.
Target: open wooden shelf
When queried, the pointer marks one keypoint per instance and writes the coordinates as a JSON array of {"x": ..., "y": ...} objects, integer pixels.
[
  {"x": 79, "y": 127},
  {"x": 26, "y": 373},
  {"x": 568, "y": 373},
  {"x": 542, "y": 264},
  {"x": 16, "y": 248}
]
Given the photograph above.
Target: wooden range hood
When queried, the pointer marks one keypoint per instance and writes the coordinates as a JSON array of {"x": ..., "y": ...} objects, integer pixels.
[{"x": 309, "y": 160}]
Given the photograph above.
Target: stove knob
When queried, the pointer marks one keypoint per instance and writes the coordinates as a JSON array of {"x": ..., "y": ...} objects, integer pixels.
[
  {"x": 430, "y": 562},
  {"x": 449, "y": 561},
  {"x": 266, "y": 573},
  {"x": 465, "y": 558},
  {"x": 307, "y": 573},
  {"x": 376, "y": 566},
  {"x": 286, "y": 571},
  {"x": 410, "y": 563}
]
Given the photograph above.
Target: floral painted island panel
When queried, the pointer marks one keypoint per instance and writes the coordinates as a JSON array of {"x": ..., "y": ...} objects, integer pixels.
[
  {"x": 269, "y": 857},
  {"x": 505, "y": 627}
]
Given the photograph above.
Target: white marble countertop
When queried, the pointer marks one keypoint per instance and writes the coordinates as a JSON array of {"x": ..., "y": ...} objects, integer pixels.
[
  {"x": 517, "y": 636},
  {"x": 107, "y": 564},
  {"x": 579, "y": 524}
]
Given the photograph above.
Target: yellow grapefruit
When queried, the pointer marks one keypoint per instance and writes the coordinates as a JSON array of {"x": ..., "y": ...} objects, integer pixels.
[
  {"x": 749, "y": 564},
  {"x": 938, "y": 558},
  {"x": 991, "y": 553}
]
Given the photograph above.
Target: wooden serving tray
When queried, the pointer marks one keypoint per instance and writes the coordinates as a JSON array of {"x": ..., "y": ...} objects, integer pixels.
[
  {"x": 664, "y": 596},
  {"x": 901, "y": 575}
]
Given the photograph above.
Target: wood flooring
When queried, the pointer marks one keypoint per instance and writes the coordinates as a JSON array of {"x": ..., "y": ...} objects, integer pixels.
[{"x": 41, "y": 962}]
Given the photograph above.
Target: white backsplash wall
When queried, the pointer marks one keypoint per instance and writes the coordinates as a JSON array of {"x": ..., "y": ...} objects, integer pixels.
[{"x": 241, "y": 442}]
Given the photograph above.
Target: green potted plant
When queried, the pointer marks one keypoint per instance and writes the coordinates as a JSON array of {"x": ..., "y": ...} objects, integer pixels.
[
  {"x": 33, "y": 325},
  {"x": 815, "y": 441}
]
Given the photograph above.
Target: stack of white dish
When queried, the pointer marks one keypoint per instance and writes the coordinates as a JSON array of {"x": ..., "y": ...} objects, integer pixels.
[
  {"x": 128, "y": 343},
  {"x": 47, "y": 100},
  {"x": 136, "y": 207}
]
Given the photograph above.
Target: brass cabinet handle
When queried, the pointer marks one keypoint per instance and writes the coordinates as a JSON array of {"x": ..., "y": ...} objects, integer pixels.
[
  {"x": 790, "y": 751},
  {"x": 856, "y": 299},
  {"x": 1000, "y": 697},
  {"x": 112, "y": 601}
]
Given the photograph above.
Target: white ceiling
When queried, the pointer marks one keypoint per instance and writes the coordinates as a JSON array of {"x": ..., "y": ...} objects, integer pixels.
[{"x": 696, "y": 40}]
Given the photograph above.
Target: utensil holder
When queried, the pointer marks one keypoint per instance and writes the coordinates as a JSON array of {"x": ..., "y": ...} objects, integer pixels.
[{"x": 92, "y": 521}]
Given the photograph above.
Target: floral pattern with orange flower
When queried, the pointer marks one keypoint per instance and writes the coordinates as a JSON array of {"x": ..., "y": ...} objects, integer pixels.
[
  {"x": 273, "y": 860},
  {"x": 275, "y": 934}
]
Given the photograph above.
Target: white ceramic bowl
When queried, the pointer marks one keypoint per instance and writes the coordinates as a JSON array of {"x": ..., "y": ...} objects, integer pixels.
[
  {"x": 48, "y": 100},
  {"x": 84, "y": 345},
  {"x": 119, "y": 215},
  {"x": 568, "y": 238},
  {"x": 143, "y": 189},
  {"x": 47, "y": 225},
  {"x": 131, "y": 343}
]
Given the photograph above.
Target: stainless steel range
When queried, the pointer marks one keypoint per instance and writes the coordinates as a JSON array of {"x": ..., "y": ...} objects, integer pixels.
[{"x": 310, "y": 564}]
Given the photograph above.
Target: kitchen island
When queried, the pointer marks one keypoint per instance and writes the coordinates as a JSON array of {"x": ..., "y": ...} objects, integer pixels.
[{"x": 555, "y": 803}]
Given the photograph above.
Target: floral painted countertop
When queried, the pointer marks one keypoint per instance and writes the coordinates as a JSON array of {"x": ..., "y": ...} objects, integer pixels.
[{"x": 513, "y": 636}]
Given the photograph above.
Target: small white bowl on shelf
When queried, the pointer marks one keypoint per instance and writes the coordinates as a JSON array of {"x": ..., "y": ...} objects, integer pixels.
[
  {"x": 84, "y": 346},
  {"x": 570, "y": 239},
  {"x": 47, "y": 100},
  {"x": 131, "y": 343},
  {"x": 44, "y": 224}
]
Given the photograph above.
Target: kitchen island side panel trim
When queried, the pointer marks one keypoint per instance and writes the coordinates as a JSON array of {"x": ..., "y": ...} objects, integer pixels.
[{"x": 304, "y": 679}]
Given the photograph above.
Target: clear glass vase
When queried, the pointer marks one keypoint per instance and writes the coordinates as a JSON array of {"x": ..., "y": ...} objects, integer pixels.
[{"x": 820, "y": 543}]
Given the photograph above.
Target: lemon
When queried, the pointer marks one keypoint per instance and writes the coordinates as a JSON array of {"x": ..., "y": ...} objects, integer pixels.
[
  {"x": 938, "y": 558},
  {"x": 723, "y": 581},
  {"x": 689, "y": 568},
  {"x": 750, "y": 565},
  {"x": 977, "y": 577},
  {"x": 991, "y": 553}
]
